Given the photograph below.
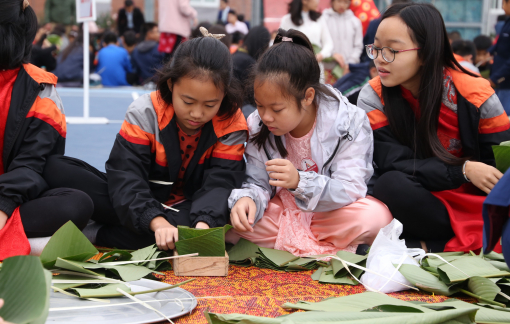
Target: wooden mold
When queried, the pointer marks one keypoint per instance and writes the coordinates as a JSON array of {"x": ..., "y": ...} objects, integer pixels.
[{"x": 197, "y": 266}]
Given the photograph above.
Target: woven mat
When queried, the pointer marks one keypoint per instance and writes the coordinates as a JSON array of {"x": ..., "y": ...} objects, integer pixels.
[{"x": 261, "y": 292}]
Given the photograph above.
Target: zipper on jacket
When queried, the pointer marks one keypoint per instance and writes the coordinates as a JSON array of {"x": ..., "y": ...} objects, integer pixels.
[{"x": 347, "y": 137}]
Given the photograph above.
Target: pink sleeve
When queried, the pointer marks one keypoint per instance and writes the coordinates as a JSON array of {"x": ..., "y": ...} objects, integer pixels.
[{"x": 186, "y": 9}]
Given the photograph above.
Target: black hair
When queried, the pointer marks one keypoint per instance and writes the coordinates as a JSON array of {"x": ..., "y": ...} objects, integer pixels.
[
  {"x": 482, "y": 42},
  {"x": 237, "y": 36},
  {"x": 371, "y": 64},
  {"x": 502, "y": 17},
  {"x": 203, "y": 57},
  {"x": 226, "y": 1},
  {"x": 454, "y": 35},
  {"x": 426, "y": 28},
  {"x": 256, "y": 41},
  {"x": 400, "y": 1},
  {"x": 129, "y": 38},
  {"x": 240, "y": 17},
  {"x": 464, "y": 47},
  {"x": 18, "y": 28},
  {"x": 59, "y": 30},
  {"x": 109, "y": 38},
  {"x": 147, "y": 27},
  {"x": 128, "y": 3},
  {"x": 220, "y": 29},
  {"x": 196, "y": 32},
  {"x": 295, "y": 9},
  {"x": 292, "y": 66},
  {"x": 233, "y": 12}
]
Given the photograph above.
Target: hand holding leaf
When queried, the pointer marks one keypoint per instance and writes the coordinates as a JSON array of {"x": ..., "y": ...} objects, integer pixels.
[
  {"x": 165, "y": 233},
  {"x": 242, "y": 215}
]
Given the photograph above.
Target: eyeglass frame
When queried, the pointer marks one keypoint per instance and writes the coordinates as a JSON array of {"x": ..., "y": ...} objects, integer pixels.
[{"x": 377, "y": 49}]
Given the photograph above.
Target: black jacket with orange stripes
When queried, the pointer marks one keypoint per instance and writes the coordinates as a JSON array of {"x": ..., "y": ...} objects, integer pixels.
[
  {"x": 146, "y": 158},
  {"x": 35, "y": 129},
  {"x": 482, "y": 123}
]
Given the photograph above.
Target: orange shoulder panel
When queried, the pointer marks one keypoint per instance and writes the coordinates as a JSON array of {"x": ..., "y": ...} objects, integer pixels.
[
  {"x": 233, "y": 124},
  {"x": 475, "y": 90},
  {"x": 39, "y": 75},
  {"x": 164, "y": 111},
  {"x": 376, "y": 84}
]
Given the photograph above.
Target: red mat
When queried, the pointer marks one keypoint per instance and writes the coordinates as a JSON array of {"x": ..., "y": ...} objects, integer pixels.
[{"x": 261, "y": 292}]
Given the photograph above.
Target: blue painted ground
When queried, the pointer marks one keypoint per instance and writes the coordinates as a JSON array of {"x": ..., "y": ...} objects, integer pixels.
[{"x": 92, "y": 143}]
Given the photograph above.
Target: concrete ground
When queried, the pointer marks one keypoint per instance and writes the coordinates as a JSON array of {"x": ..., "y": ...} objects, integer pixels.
[{"x": 92, "y": 143}]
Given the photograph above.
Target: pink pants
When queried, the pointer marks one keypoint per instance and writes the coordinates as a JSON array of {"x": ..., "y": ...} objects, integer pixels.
[{"x": 357, "y": 223}]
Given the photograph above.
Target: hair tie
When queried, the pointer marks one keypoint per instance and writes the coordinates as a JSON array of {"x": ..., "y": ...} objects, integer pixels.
[
  {"x": 25, "y": 4},
  {"x": 206, "y": 33},
  {"x": 287, "y": 39}
]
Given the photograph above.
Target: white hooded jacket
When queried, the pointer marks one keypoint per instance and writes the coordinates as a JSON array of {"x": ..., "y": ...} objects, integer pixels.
[{"x": 342, "y": 148}]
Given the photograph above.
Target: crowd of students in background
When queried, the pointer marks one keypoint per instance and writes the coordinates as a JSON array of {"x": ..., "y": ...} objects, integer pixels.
[{"x": 133, "y": 53}]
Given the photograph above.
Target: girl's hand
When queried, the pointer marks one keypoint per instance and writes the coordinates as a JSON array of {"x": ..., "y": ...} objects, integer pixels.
[
  {"x": 242, "y": 215},
  {"x": 340, "y": 60},
  {"x": 319, "y": 57},
  {"x": 165, "y": 233},
  {"x": 286, "y": 175},
  {"x": 3, "y": 219},
  {"x": 482, "y": 175},
  {"x": 202, "y": 225}
]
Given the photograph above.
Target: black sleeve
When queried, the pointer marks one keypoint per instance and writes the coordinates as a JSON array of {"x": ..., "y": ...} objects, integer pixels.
[
  {"x": 23, "y": 179},
  {"x": 128, "y": 185},
  {"x": 432, "y": 173},
  {"x": 225, "y": 173}
]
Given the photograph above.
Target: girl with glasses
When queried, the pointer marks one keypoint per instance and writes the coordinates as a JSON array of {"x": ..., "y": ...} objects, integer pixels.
[{"x": 434, "y": 126}]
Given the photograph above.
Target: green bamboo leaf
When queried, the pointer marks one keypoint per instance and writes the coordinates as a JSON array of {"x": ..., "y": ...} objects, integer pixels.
[
  {"x": 317, "y": 274},
  {"x": 144, "y": 254},
  {"x": 67, "y": 242},
  {"x": 243, "y": 253},
  {"x": 338, "y": 267},
  {"x": 328, "y": 277},
  {"x": 352, "y": 303},
  {"x": 453, "y": 316},
  {"x": 126, "y": 272},
  {"x": 502, "y": 156},
  {"x": 500, "y": 265},
  {"x": 483, "y": 287},
  {"x": 434, "y": 262},
  {"x": 470, "y": 266},
  {"x": 425, "y": 280},
  {"x": 495, "y": 256},
  {"x": 115, "y": 255},
  {"x": 75, "y": 266},
  {"x": 207, "y": 242},
  {"x": 276, "y": 257},
  {"x": 483, "y": 315},
  {"x": 25, "y": 288},
  {"x": 106, "y": 291}
]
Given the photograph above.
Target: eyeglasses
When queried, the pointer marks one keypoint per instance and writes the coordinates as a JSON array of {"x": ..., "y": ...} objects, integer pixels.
[{"x": 388, "y": 53}]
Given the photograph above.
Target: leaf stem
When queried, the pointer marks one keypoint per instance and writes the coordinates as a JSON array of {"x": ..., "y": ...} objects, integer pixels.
[{"x": 488, "y": 301}]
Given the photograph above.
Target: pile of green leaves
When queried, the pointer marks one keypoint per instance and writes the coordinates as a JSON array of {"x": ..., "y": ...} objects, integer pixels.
[
  {"x": 336, "y": 273},
  {"x": 246, "y": 253},
  {"x": 69, "y": 255},
  {"x": 205, "y": 242},
  {"x": 502, "y": 156},
  {"x": 375, "y": 308}
]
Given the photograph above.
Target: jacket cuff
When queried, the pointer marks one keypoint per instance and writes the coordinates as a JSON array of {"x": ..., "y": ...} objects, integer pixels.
[
  {"x": 299, "y": 192},
  {"x": 455, "y": 172},
  {"x": 148, "y": 215},
  {"x": 7, "y": 205},
  {"x": 206, "y": 219}
]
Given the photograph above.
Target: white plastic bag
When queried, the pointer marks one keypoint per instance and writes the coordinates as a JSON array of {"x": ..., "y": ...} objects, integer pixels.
[{"x": 387, "y": 251}]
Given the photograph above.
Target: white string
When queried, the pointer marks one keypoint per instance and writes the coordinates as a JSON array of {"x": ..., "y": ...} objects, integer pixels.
[
  {"x": 441, "y": 258},
  {"x": 165, "y": 258},
  {"x": 404, "y": 256},
  {"x": 371, "y": 271},
  {"x": 168, "y": 207},
  {"x": 164, "y": 183},
  {"x": 143, "y": 304}
]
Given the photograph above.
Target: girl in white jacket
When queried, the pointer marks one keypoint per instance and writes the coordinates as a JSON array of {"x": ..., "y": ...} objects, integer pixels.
[
  {"x": 309, "y": 159},
  {"x": 346, "y": 32}
]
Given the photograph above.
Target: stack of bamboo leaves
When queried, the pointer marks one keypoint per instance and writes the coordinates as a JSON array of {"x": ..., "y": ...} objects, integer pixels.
[
  {"x": 70, "y": 264},
  {"x": 246, "y": 253},
  {"x": 375, "y": 308}
]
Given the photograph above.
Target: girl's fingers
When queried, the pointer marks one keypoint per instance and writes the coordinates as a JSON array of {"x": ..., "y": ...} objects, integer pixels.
[
  {"x": 498, "y": 174},
  {"x": 277, "y": 175},
  {"x": 281, "y": 162},
  {"x": 278, "y": 183},
  {"x": 243, "y": 217},
  {"x": 493, "y": 179},
  {"x": 234, "y": 218},
  {"x": 251, "y": 213},
  {"x": 276, "y": 168}
]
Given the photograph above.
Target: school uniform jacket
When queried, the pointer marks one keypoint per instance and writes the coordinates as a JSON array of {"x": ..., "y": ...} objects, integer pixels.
[
  {"x": 35, "y": 129},
  {"x": 482, "y": 123},
  {"x": 147, "y": 149},
  {"x": 341, "y": 145}
]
